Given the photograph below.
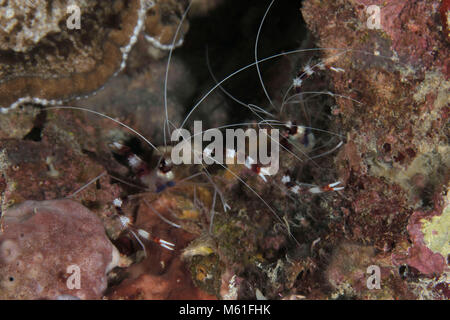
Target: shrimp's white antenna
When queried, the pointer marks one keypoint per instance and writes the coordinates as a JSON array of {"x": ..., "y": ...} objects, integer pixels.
[
  {"x": 86, "y": 185},
  {"x": 329, "y": 151},
  {"x": 109, "y": 118},
  {"x": 253, "y": 108},
  {"x": 166, "y": 123},
  {"x": 213, "y": 212},
  {"x": 292, "y": 98},
  {"x": 251, "y": 65},
  {"x": 173, "y": 224},
  {"x": 139, "y": 241},
  {"x": 256, "y": 54}
]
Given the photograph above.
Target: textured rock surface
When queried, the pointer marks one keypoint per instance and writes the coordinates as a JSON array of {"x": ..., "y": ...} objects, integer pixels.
[
  {"x": 25, "y": 23},
  {"x": 394, "y": 163},
  {"x": 136, "y": 97},
  {"x": 45, "y": 163},
  {"x": 347, "y": 274},
  {"x": 396, "y": 160},
  {"x": 50, "y": 62},
  {"x": 162, "y": 23},
  {"x": 42, "y": 239},
  {"x": 428, "y": 232}
]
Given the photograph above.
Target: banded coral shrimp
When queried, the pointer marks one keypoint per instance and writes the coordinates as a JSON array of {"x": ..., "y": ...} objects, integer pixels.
[{"x": 249, "y": 177}]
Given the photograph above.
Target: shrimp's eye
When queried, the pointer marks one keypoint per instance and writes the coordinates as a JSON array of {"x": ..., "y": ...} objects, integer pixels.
[{"x": 165, "y": 166}]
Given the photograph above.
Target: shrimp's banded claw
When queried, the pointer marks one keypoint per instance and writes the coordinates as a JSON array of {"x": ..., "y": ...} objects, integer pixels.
[
  {"x": 126, "y": 224},
  {"x": 163, "y": 243},
  {"x": 329, "y": 187}
]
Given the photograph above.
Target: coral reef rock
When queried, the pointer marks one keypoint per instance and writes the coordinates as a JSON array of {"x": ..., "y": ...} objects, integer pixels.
[
  {"x": 60, "y": 50},
  {"x": 396, "y": 159},
  {"x": 54, "y": 249}
]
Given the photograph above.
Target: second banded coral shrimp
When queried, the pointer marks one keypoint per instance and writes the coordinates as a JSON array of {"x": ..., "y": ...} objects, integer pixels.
[{"x": 241, "y": 212}]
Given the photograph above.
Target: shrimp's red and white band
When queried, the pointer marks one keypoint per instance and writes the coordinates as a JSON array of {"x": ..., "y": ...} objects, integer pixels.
[
  {"x": 127, "y": 225},
  {"x": 164, "y": 176},
  {"x": 296, "y": 187}
]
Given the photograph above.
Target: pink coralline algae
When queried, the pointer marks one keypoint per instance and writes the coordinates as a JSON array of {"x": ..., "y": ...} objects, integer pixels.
[
  {"x": 417, "y": 22},
  {"x": 419, "y": 255},
  {"x": 54, "y": 249}
]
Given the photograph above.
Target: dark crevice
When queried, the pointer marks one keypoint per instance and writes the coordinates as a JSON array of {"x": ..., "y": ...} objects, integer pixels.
[
  {"x": 229, "y": 32},
  {"x": 35, "y": 133}
]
